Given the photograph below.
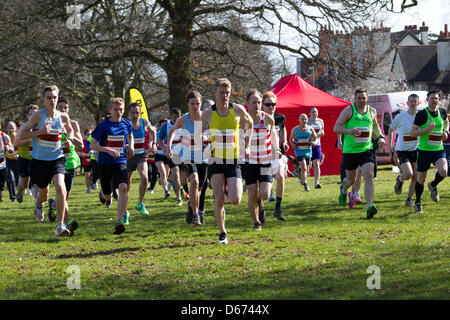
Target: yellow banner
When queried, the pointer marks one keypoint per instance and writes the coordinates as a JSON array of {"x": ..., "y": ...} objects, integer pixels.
[{"x": 136, "y": 97}]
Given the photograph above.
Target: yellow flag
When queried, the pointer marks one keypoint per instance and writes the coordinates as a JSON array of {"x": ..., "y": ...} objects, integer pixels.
[{"x": 136, "y": 97}]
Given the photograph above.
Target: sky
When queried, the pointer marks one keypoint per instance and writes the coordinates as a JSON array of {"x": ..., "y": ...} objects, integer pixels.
[{"x": 435, "y": 13}]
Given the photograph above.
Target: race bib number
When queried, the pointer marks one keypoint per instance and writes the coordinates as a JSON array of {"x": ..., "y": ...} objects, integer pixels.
[
  {"x": 435, "y": 138},
  {"x": 116, "y": 143},
  {"x": 365, "y": 135},
  {"x": 51, "y": 139},
  {"x": 139, "y": 145},
  {"x": 408, "y": 140},
  {"x": 2, "y": 161}
]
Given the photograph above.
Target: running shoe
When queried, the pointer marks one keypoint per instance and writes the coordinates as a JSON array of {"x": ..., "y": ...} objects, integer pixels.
[
  {"x": 408, "y": 202},
  {"x": 306, "y": 187},
  {"x": 318, "y": 186},
  {"x": 371, "y": 211},
  {"x": 351, "y": 200},
  {"x": 72, "y": 225},
  {"x": 186, "y": 195},
  {"x": 179, "y": 203},
  {"x": 100, "y": 197},
  {"x": 196, "y": 220},
  {"x": 108, "y": 204},
  {"x": 271, "y": 198},
  {"x": 434, "y": 192},
  {"x": 118, "y": 228},
  {"x": 126, "y": 218},
  {"x": 62, "y": 231},
  {"x": 151, "y": 191},
  {"x": 189, "y": 214},
  {"x": 142, "y": 210},
  {"x": 223, "y": 238},
  {"x": 202, "y": 218},
  {"x": 88, "y": 190},
  {"x": 167, "y": 194},
  {"x": 38, "y": 212},
  {"x": 51, "y": 213},
  {"x": 278, "y": 213},
  {"x": 262, "y": 214},
  {"x": 398, "y": 185},
  {"x": 418, "y": 207},
  {"x": 357, "y": 197},
  {"x": 342, "y": 197},
  {"x": 257, "y": 226},
  {"x": 19, "y": 197},
  {"x": 94, "y": 186}
]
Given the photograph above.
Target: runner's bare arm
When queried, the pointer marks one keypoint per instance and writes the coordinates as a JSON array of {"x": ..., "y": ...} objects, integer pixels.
[
  {"x": 206, "y": 118},
  {"x": 313, "y": 137},
  {"x": 178, "y": 124},
  {"x": 25, "y": 131},
  {"x": 376, "y": 130},
  {"x": 77, "y": 137},
  {"x": 292, "y": 136},
  {"x": 342, "y": 119}
]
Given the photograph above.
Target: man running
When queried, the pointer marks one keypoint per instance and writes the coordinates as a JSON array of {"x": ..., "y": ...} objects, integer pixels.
[
  {"x": 192, "y": 152},
  {"x": 139, "y": 160},
  {"x": 72, "y": 163},
  {"x": 358, "y": 123},
  {"x": 86, "y": 160},
  {"x": 431, "y": 125},
  {"x": 303, "y": 138},
  {"x": 12, "y": 175},
  {"x": 270, "y": 103},
  {"x": 45, "y": 127},
  {"x": 257, "y": 169},
  {"x": 113, "y": 139},
  {"x": 406, "y": 147},
  {"x": 25, "y": 149},
  {"x": 5, "y": 147},
  {"x": 223, "y": 122},
  {"x": 316, "y": 158}
]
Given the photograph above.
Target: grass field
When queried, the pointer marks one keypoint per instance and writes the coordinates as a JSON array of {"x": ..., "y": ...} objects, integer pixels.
[{"x": 322, "y": 251}]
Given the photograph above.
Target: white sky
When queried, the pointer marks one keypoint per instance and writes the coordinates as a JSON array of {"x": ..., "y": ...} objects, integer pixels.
[{"x": 435, "y": 13}]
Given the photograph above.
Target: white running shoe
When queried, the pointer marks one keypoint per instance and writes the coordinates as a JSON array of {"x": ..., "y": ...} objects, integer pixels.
[
  {"x": 38, "y": 212},
  {"x": 62, "y": 231}
]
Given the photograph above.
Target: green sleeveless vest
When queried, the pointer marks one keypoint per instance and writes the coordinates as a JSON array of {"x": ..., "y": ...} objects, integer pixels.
[
  {"x": 432, "y": 140},
  {"x": 72, "y": 158},
  {"x": 364, "y": 123}
]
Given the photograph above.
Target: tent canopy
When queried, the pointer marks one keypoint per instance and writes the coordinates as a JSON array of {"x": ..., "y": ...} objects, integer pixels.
[{"x": 296, "y": 96}]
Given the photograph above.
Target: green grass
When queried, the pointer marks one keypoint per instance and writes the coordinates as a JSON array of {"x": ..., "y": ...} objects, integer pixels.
[{"x": 322, "y": 251}]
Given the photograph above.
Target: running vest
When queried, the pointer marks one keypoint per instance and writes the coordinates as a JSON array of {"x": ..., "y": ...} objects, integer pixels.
[
  {"x": 47, "y": 147},
  {"x": 302, "y": 142},
  {"x": 71, "y": 155},
  {"x": 139, "y": 138},
  {"x": 12, "y": 155},
  {"x": 224, "y": 133},
  {"x": 260, "y": 143},
  {"x": 432, "y": 140},
  {"x": 26, "y": 151},
  {"x": 2, "y": 160},
  {"x": 317, "y": 125},
  {"x": 191, "y": 142},
  {"x": 364, "y": 123}
]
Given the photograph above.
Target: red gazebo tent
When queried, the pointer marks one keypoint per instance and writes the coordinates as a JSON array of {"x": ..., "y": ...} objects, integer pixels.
[{"x": 296, "y": 96}]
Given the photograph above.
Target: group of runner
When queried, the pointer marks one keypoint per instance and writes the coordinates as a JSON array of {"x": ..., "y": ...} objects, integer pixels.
[{"x": 215, "y": 143}]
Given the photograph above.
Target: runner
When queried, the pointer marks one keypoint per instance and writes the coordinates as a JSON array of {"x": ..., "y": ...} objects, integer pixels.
[
  {"x": 12, "y": 174},
  {"x": 406, "y": 147},
  {"x": 86, "y": 160},
  {"x": 175, "y": 169},
  {"x": 223, "y": 121},
  {"x": 25, "y": 149},
  {"x": 72, "y": 163},
  {"x": 5, "y": 147},
  {"x": 431, "y": 125},
  {"x": 257, "y": 169},
  {"x": 270, "y": 102},
  {"x": 192, "y": 152},
  {"x": 303, "y": 138},
  {"x": 48, "y": 163},
  {"x": 358, "y": 123},
  {"x": 139, "y": 160},
  {"x": 317, "y": 124},
  {"x": 152, "y": 170},
  {"x": 113, "y": 139}
]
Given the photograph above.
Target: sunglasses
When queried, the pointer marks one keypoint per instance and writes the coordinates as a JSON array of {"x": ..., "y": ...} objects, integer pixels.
[{"x": 270, "y": 104}]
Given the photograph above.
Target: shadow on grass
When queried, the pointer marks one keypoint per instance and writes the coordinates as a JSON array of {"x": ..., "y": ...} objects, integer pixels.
[{"x": 97, "y": 253}]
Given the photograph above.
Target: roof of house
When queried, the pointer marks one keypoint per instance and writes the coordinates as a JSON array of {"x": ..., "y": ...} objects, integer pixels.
[
  {"x": 397, "y": 37},
  {"x": 419, "y": 62}
]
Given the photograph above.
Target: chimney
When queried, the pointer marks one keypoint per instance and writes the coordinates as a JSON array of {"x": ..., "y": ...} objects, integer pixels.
[
  {"x": 424, "y": 33},
  {"x": 443, "y": 50}
]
